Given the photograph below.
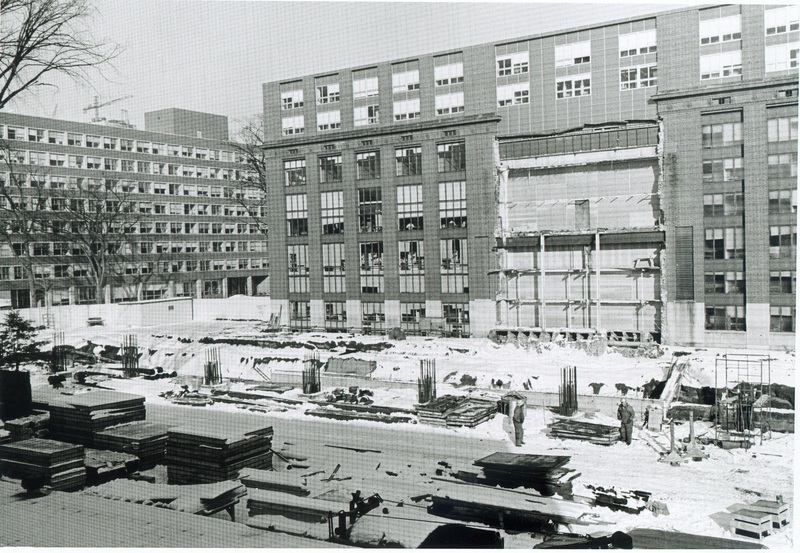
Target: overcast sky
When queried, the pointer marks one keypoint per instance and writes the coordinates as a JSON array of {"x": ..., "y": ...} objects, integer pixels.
[{"x": 214, "y": 55}]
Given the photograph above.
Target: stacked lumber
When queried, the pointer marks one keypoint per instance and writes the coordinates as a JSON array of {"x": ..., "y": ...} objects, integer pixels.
[
  {"x": 204, "y": 455},
  {"x": 77, "y": 418},
  {"x": 103, "y": 466},
  {"x": 33, "y": 426},
  {"x": 595, "y": 432},
  {"x": 146, "y": 440},
  {"x": 201, "y": 499},
  {"x": 38, "y": 462},
  {"x": 273, "y": 481},
  {"x": 456, "y": 411},
  {"x": 543, "y": 473}
]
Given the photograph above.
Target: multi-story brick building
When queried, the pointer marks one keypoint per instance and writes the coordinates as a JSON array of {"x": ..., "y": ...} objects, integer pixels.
[
  {"x": 599, "y": 183},
  {"x": 187, "y": 230}
]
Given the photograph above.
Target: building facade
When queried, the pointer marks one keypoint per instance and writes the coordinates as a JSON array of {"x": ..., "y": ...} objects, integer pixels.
[
  {"x": 182, "y": 221},
  {"x": 586, "y": 198}
]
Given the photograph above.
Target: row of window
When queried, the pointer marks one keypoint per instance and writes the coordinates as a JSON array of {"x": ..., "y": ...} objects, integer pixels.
[
  {"x": 733, "y": 282},
  {"x": 408, "y": 162},
  {"x": 52, "y": 159},
  {"x": 454, "y": 267},
  {"x": 46, "y": 136},
  {"x": 410, "y": 209},
  {"x": 65, "y": 249},
  {"x": 728, "y": 243},
  {"x": 373, "y": 316},
  {"x": 781, "y": 318}
]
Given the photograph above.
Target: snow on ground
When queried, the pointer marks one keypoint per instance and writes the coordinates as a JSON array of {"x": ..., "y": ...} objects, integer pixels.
[{"x": 696, "y": 493}]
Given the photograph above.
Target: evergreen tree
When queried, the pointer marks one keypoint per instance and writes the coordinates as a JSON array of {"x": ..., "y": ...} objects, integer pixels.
[{"x": 17, "y": 340}]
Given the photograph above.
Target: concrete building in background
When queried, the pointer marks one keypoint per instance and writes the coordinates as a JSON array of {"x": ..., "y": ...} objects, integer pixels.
[
  {"x": 187, "y": 123},
  {"x": 192, "y": 234},
  {"x": 611, "y": 178}
]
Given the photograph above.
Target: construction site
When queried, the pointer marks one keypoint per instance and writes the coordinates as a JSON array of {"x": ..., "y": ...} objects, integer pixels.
[{"x": 243, "y": 435}]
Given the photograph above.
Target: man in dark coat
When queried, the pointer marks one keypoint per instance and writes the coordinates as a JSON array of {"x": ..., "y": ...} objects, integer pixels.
[
  {"x": 625, "y": 415},
  {"x": 518, "y": 418}
]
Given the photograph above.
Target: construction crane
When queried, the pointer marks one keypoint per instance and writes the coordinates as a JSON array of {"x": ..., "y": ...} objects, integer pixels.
[{"x": 97, "y": 105}]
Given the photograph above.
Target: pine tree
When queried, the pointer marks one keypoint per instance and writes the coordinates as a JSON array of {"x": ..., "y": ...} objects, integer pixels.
[{"x": 17, "y": 340}]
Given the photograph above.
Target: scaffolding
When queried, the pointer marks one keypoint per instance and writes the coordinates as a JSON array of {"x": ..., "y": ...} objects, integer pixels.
[{"x": 740, "y": 383}]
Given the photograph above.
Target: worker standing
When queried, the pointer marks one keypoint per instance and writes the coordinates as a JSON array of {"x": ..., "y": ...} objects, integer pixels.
[
  {"x": 518, "y": 418},
  {"x": 625, "y": 415}
]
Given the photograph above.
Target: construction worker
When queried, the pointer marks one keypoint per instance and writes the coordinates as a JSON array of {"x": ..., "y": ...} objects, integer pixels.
[
  {"x": 625, "y": 415},
  {"x": 518, "y": 418}
]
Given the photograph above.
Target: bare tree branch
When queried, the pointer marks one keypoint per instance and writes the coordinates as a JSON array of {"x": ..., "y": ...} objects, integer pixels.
[{"x": 43, "y": 37}]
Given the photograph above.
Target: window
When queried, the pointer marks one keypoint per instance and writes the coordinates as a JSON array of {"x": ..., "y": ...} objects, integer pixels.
[
  {"x": 298, "y": 269},
  {"x": 577, "y": 85},
  {"x": 641, "y": 76},
  {"x": 715, "y": 283},
  {"x": 92, "y": 141},
  {"x": 371, "y": 267},
  {"x": 453, "y": 204},
  {"x": 513, "y": 94},
  {"x": 782, "y": 319},
  {"x": 717, "y": 66},
  {"x": 332, "y": 212},
  {"x": 55, "y": 137},
  {"x": 299, "y": 315},
  {"x": 330, "y": 169},
  {"x": 297, "y": 215},
  {"x": 781, "y": 129},
  {"x": 781, "y": 20},
  {"x": 405, "y": 78},
  {"x": 335, "y": 315},
  {"x": 73, "y": 139},
  {"x": 35, "y": 135},
  {"x": 448, "y": 70},
  {"x": 412, "y": 266},
  {"x": 410, "y": 314},
  {"x": 716, "y": 205},
  {"x": 447, "y": 104},
  {"x": 93, "y": 162},
  {"x": 294, "y": 172},
  {"x": 782, "y": 241},
  {"x": 58, "y": 160},
  {"x": 373, "y": 316},
  {"x": 512, "y": 64},
  {"x": 722, "y": 29},
  {"x": 408, "y": 161},
  {"x": 454, "y": 266},
  {"x": 292, "y": 99},
  {"x": 724, "y": 243},
  {"x": 638, "y": 43},
  {"x": 127, "y": 165},
  {"x": 365, "y": 84},
  {"x": 333, "y": 268},
  {"x": 366, "y": 115},
  {"x": 451, "y": 157},
  {"x": 406, "y": 109},
  {"x": 292, "y": 125},
  {"x": 722, "y": 170},
  {"x": 783, "y": 201},
  {"x": 328, "y": 94},
  {"x": 368, "y": 165},
  {"x": 722, "y": 134},
  {"x": 409, "y": 207},
  {"x": 456, "y": 315},
  {"x": 782, "y": 282},
  {"x": 109, "y": 143},
  {"x": 725, "y": 318},
  {"x": 328, "y": 120},
  {"x": 370, "y": 210},
  {"x": 573, "y": 54},
  {"x": 781, "y": 57}
]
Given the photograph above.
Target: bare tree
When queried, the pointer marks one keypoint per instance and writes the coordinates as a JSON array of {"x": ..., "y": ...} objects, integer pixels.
[
  {"x": 251, "y": 184},
  {"x": 41, "y": 38}
]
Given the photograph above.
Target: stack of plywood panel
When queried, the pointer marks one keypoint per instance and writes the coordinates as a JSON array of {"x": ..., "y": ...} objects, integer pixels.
[
  {"x": 456, "y": 411},
  {"x": 38, "y": 462},
  {"x": 587, "y": 430},
  {"x": 544, "y": 473},
  {"x": 274, "y": 481},
  {"x": 146, "y": 440},
  {"x": 78, "y": 417},
  {"x": 198, "y": 455}
]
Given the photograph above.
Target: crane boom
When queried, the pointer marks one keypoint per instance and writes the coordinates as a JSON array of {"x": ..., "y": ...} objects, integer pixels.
[{"x": 97, "y": 105}]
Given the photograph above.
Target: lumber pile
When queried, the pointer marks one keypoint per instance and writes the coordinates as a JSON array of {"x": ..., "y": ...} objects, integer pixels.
[
  {"x": 543, "y": 473},
  {"x": 78, "y": 417},
  {"x": 33, "y": 426},
  {"x": 38, "y": 463},
  {"x": 204, "y": 455},
  {"x": 201, "y": 499},
  {"x": 103, "y": 466},
  {"x": 456, "y": 411},
  {"x": 628, "y": 501},
  {"x": 146, "y": 440},
  {"x": 589, "y": 430},
  {"x": 273, "y": 481}
]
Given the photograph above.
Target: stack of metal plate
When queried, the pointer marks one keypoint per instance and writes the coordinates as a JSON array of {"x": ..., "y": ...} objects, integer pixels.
[{"x": 38, "y": 463}]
